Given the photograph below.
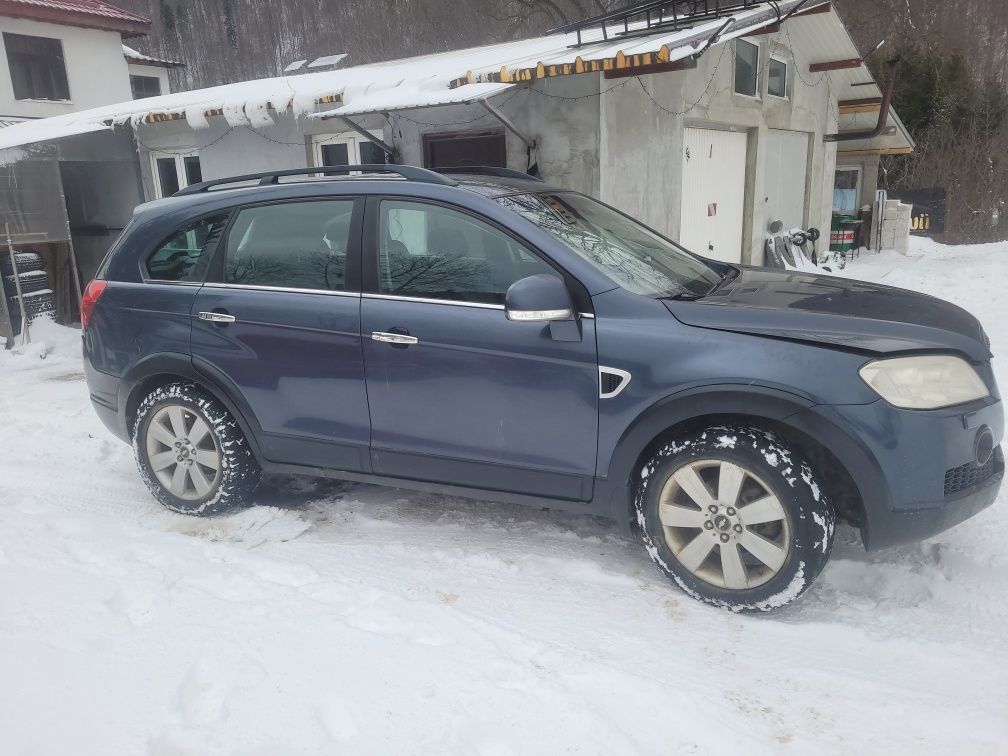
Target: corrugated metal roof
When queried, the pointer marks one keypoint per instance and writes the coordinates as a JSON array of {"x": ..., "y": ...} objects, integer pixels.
[
  {"x": 456, "y": 76},
  {"x": 89, "y": 13}
]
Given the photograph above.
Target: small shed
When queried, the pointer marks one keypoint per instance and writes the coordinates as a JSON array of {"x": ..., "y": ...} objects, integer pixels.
[{"x": 709, "y": 126}]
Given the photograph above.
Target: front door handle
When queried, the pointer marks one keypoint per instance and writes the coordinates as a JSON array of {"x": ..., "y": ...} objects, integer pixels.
[
  {"x": 399, "y": 339},
  {"x": 217, "y": 317}
]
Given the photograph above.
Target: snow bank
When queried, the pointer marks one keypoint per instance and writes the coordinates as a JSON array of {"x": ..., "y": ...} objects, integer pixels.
[{"x": 344, "y": 618}]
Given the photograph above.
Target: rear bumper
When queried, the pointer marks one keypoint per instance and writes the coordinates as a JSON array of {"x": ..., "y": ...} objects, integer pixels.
[
  {"x": 899, "y": 460},
  {"x": 104, "y": 392}
]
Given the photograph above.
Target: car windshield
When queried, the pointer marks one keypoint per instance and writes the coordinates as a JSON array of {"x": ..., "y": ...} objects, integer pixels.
[{"x": 624, "y": 250}]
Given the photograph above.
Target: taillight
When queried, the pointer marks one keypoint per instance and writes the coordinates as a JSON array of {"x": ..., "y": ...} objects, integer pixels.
[{"x": 91, "y": 296}]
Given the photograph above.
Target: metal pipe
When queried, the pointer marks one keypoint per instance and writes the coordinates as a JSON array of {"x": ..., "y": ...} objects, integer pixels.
[
  {"x": 25, "y": 335},
  {"x": 883, "y": 118},
  {"x": 387, "y": 149},
  {"x": 508, "y": 123}
]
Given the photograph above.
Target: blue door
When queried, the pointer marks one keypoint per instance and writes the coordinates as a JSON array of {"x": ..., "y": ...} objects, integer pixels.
[
  {"x": 278, "y": 321},
  {"x": 458, "y": 393}
]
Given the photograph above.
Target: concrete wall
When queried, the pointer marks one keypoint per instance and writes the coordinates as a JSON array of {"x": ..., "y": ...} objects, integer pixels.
[
  {"x": 158, "y": 72},
  {"x": 96, "y": 70},
  {"x": 709, "y": 101},
  {"x": 618, "y": 139}
]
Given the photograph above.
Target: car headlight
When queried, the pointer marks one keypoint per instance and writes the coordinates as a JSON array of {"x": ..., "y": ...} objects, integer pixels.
[{"x": 925, "y": 381}]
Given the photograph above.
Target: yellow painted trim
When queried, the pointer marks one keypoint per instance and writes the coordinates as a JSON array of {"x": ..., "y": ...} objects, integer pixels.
[
  {"x": 880, "y": 151},
  {"x": 851, "y": 109}
]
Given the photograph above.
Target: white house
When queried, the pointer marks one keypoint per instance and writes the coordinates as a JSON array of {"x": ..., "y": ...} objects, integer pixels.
[
  {"x": 708, "y": 128},
  {"x": 59, "y": 57}
]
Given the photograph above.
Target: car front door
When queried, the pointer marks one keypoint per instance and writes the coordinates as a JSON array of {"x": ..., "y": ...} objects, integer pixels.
[
  {"x": 278, "y": 322},
  {"x": 458, "y": 393}
]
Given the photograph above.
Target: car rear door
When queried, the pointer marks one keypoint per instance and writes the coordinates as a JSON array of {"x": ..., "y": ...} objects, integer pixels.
[
  {"x": 278, "y": 322},
  {"x": 458, "y": 393}
]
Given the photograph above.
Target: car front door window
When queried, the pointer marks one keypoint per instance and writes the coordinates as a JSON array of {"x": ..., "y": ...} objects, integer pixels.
[{"x": 435, "y": 252}]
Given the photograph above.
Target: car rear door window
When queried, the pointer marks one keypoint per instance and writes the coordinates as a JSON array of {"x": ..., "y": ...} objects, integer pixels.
[
  {"x": 435, "y": 252},
  {"x": 184, "y": 257},
  {"x": 291, "y": 245}
]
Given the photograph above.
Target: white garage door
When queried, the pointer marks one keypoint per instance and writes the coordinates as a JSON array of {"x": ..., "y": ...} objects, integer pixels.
[
  {"x": 785, "y": 168},
  {"x": 714, "y": 164}
]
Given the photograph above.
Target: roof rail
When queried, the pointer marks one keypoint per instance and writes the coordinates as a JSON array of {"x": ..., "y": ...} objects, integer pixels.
[
  {"x": 657, "y": 14},
  {"x": 489, "y": 170},
  {"x": 408, "y": 172}
]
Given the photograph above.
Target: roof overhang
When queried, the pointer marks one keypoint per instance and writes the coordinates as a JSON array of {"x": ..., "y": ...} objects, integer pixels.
[
  {"x": 474, "y": 74},
  {"x": 138, "y": 58},
  {"x": 90, "y": 15}
]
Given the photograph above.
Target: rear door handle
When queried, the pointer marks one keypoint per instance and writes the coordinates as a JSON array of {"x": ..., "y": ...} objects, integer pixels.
[
  {"x": 403, "y": 339},
  {"x": 217, "y": 317}
]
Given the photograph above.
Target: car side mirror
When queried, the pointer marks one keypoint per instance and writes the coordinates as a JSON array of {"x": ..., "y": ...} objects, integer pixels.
[{"x": 539, "y": 298}]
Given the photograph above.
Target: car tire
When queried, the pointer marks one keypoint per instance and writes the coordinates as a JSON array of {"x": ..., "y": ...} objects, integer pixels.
[
  {"x": 735, "y": 516},
  {"x": 192, "y": 454},
  {"x": 26, "y": 262},
  {"x": 34, "y": 281}
]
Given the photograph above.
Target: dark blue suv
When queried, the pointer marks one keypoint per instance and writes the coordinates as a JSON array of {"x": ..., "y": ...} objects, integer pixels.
[{"x": 488, "y": 335}]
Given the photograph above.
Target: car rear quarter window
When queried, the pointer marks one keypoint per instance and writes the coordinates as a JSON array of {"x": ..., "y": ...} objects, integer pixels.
[
  {"x": 293, "y": 245},
  {"x": 184, "y": 257}
]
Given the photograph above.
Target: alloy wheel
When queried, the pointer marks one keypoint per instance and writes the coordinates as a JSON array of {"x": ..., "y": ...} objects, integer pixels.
[
  {"x": 724, "y": 524},
  {"x": 183, "y": 452}
]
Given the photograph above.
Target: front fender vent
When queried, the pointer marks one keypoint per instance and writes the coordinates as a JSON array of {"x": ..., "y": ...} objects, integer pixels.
[{"x": 612, "y": 381}]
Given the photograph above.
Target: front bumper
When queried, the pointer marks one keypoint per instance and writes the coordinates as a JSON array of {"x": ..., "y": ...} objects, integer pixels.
[{"x": 907, "y": 465}]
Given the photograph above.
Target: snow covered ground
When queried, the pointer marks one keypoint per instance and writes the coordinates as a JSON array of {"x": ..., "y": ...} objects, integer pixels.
[{"x": 354, "y": 619}]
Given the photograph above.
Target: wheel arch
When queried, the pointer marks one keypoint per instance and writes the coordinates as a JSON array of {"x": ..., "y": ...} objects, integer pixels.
[
  {"x": 847, "y": 468},
  {"x": 159, "y": 370}
]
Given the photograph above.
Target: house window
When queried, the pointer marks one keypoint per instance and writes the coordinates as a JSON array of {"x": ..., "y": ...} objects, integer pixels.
[
  {"x": 458, "y": 150},
  {"x": 347, "y": 149},
  {"x": 173, "y": 172},
  {"x": 145, "y": 86},
  {"x": 746, "y": 68},
  {"x": 37, "y": 69},
  {"x": 847, "y": 190},
  {"x": 777, "y": 78}
]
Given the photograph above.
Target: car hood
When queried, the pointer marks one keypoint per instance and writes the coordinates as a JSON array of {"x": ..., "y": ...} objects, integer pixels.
[{"x": 836, "y": 311}]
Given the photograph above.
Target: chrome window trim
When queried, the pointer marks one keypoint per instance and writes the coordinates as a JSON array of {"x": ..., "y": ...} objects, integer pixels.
[
  {"x": 425, "y": 300},
  {"x": 288, "y": 289},
  {"x": 160, "y": 282}
]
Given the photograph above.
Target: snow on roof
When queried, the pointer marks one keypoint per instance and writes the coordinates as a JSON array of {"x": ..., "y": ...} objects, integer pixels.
[
  {"x": 327, "y": 60},
  {"x": 87, "y": 13},
  {"x": 135, "y": 56},
  {"x": 456, "y": 76}
]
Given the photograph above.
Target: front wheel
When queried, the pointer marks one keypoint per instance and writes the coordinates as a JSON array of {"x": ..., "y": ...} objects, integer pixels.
[
  {"x": 192, "y": 454},
  {"x": 735, "y": 516}
]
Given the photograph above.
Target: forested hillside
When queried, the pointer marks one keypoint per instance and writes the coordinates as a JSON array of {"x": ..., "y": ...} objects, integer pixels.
[{"x": 951, "y": 93}]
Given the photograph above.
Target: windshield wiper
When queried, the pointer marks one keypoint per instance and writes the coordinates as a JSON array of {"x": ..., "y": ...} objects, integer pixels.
[{"x": 727, "y": 278}]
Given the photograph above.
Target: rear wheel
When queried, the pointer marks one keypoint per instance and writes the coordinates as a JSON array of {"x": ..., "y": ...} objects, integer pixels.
[
  {"x": 192, "y": 454},
  {"x": 735, "y": 516}
]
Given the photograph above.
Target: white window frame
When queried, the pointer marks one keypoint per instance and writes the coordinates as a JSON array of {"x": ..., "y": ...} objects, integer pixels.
[
  {"x": 351, "y": 139},
  {"x": 66, "y": 69},
  {"x": 787, "y": 78},
  {"x": 180, "y": 170},
  {"x": 756, "y": 75},
  {"x": 859, "y": 186}
]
